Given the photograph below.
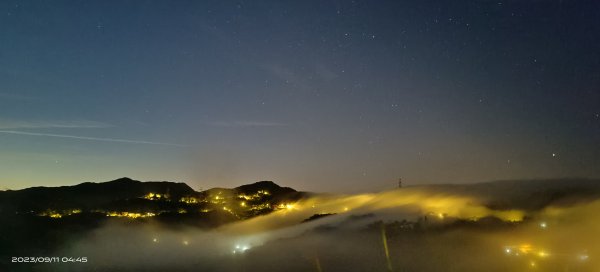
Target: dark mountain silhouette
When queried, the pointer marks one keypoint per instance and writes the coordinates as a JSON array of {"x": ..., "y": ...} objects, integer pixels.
[
  {"x": 263, "y": 185},
  {"x": 125, "y": 197},
  {"x": 86, "y": 195}
]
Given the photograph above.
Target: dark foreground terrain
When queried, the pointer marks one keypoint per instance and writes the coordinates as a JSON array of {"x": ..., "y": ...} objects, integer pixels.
[{"x": 127, "y": 225}]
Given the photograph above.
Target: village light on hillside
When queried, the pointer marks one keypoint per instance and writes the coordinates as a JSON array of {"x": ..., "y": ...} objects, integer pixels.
[
  {"x": 543, "y": 254},
  {"x": 284, "y": 206},
  {"x": 130, "y": 214},
  {"x": 189, "y": 200},
  {"x": 525, "y": 248},
  {"x": 156, "y": 196}
]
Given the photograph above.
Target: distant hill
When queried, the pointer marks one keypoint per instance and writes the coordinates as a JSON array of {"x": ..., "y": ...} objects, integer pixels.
[
  {"x": 126, "y": 197},
  {"x": 85, "y": 195}
]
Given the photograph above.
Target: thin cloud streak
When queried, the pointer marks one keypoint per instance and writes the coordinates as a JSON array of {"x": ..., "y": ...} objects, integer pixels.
[
  {"x": 22, "y": 124},
  {"x": 88, "y": 138}
]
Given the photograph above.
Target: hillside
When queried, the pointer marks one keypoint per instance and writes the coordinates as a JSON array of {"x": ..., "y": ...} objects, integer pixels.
[{"x": 125, "y": 197}]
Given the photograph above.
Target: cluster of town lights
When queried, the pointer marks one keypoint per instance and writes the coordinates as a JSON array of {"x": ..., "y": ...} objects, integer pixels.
[{"x": 528, "y": 250}]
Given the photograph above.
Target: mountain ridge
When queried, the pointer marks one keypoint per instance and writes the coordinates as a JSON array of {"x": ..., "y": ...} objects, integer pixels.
[{"x": 125, "y": 196}]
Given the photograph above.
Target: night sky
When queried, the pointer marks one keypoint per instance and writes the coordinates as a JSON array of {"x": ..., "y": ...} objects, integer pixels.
[{"x": 339, "y": 96}]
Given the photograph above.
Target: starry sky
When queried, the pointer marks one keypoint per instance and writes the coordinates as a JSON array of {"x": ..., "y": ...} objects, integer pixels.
[{"x": 338, "y": 96}]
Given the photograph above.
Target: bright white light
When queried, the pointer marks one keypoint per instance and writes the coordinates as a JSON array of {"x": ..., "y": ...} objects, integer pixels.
[
  {"x": 583, "y": 257},
  {"x": 240, "y": 248},
  {"x": 543, "y": 225}
]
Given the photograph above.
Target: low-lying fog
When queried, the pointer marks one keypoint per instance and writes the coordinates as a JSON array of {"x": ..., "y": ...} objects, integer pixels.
[{"x": 444, "y": 230}]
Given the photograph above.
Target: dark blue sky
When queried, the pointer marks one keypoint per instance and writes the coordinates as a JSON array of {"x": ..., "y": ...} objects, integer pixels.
[{"x": 317, "y": 95}]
